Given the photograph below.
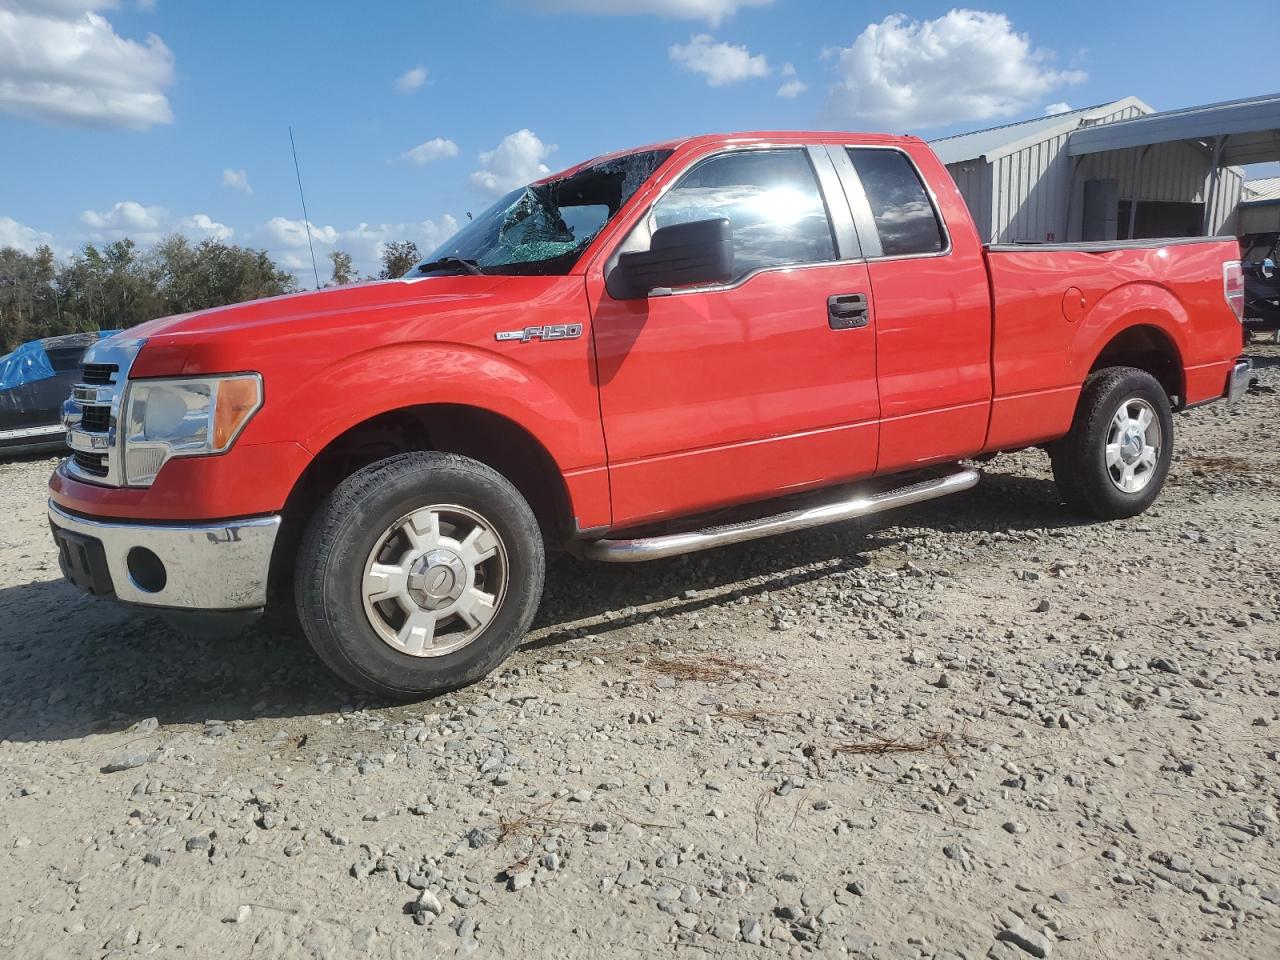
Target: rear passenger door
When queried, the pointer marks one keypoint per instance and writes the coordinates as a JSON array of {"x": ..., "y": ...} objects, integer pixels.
[
  {"x": 763, "y": 385},
  {"x": 933, "y": 306}
]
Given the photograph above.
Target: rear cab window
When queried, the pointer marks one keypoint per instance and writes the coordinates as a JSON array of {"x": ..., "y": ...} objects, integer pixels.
[{"x": 904, "y": 215}]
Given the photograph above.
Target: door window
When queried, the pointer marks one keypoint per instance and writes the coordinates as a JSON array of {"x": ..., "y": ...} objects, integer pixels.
[
  {"x": 771, "y": 200},
  {"x": 904, "y": 216}
]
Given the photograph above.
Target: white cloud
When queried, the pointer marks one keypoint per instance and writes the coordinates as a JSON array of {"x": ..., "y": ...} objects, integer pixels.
[
  {"x": 62, "y": 62},
  {"x": 1056, "y": 108},
  {"x": 59, "y": 8},
  {"x": 412, "y": 79},
  {"x": 201, "y": 226},
  {"x": 128, "y": 218},
  {"x": 965, "y": 65},
  {"x": 517, "y": 160},
  {"x": 720, "y": 63},
  {"x": 792, "y": 85},
  {"x": 145, "y": 225},
  {"x": 286, "y": 241},
  {"x": 432, "y": 150},
  {"x": 15, "y": 234},
  {"x": 712, "y": 11},
  {"x": 284, "y": 232},
  {"x": 236, "y": 180}
]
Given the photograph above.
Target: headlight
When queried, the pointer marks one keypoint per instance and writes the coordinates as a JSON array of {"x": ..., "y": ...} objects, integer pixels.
[{"x": 184, "y": 418}]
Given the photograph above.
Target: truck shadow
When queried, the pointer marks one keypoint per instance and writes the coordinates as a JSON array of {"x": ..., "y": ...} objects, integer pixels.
[
  {"x": 596, "y": 598},
  {"x": 72, "y": 666}
]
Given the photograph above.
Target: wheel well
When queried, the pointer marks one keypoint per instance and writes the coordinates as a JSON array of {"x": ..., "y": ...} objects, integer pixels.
[
  {"x": 1147, "y": 348},
  {"x": 449, "y": 428}
]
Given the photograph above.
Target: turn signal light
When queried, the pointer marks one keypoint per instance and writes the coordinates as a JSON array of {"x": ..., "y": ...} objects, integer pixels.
[{"x": 238, "y": 398}]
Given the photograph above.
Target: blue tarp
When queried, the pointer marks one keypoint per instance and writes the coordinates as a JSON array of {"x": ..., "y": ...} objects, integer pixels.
[{"x": 29, "y": 363}]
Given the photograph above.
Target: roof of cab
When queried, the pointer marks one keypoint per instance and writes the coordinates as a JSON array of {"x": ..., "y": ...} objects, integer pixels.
[{"x": 727, "y": 139}]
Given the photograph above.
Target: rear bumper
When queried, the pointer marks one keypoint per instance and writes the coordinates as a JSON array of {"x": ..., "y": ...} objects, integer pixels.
[
  {"x": 209, "y": 566},
  {"x": 1238, "y": 380}
]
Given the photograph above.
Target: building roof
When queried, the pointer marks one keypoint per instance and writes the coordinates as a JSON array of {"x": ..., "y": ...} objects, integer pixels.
[
  {"x": 1265, "y": 190},
  {"x": 1250, "y": 130},
  {"x": 996, "y": 142}
]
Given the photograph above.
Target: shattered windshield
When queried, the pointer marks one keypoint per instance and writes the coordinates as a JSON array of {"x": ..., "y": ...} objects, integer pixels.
[{"x": 543, "y": 228}]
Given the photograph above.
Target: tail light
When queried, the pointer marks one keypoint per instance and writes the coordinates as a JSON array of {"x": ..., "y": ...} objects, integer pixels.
[{"x": 1233, "y": 287}]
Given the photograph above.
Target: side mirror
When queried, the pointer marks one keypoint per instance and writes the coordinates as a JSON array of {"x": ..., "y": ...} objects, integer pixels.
[{"x": 680, "y": 255}]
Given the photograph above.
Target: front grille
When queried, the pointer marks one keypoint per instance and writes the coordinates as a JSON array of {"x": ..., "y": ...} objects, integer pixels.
[
  {"x": 90, "y": 414},
  {"x": 99, "y": 373},
  {"x": 95, "y": 418},
  {"x": 94, "y": 464}
]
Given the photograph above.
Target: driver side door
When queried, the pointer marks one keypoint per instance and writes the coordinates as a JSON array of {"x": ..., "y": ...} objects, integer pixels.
[{"x": 720, "y": 394}]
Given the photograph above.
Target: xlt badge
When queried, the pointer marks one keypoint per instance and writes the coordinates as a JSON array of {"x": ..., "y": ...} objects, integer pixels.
[{"x": 553, "y": 331}]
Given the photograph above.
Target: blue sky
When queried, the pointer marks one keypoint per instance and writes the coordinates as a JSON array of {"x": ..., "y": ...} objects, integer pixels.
[{"x": 143, "y": 118}]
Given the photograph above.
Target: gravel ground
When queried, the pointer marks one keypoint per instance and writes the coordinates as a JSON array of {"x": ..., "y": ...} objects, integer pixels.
[{"x": 977, "y": 728}]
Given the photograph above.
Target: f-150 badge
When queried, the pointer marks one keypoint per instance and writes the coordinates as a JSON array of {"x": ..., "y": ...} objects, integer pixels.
[{"x": 554, "y": 331}]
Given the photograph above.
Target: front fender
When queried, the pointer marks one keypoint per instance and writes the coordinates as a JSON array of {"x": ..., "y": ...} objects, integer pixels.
[{"x": 383, "y": 379}]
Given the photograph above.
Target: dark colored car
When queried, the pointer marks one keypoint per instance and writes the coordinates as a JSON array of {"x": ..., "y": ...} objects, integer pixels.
[
  {"x": 35, "y": 379},
  {"x": 1260, "y": 258}
]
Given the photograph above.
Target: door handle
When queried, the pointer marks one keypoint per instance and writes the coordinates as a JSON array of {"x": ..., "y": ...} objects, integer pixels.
[{"x": 848, "y": 311}]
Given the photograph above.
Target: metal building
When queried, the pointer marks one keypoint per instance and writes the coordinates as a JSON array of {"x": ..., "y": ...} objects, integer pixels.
[
  {"x": 1039, "y": 181},
  {"x": 1259, "y": 210}
]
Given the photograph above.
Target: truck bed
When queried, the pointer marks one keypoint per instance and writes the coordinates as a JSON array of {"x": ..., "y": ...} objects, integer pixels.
[{"x": 1057, "y": 307}]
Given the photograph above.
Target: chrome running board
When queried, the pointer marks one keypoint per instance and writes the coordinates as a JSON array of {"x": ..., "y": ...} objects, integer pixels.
[{"x": 674, "y": 544}]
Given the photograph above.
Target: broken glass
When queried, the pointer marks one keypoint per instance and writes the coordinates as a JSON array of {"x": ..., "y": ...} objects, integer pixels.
[{"x": 543, "y": 228}]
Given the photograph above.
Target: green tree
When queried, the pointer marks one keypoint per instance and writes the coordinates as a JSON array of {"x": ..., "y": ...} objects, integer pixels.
[
  {"x": 28, "y": 299},
  {"x": 343, "y": 270},
  {"x": 397, "y": 257},
  {"x": 213, "y": 274},
  {"x": 118, "y": 285}
]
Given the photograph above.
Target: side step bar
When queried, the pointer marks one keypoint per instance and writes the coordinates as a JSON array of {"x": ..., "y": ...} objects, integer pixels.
[{"x": 674, "y": 544}]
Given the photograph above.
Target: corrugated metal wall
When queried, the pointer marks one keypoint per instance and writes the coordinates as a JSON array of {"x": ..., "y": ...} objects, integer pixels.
[
  {"x": 973, "y": 177},
  {"x": 1033, "y": 186},
  {"x": 1026, "y": 197},
  {"x": 1227, "y": 202},
  {"x": 1167, "y": 171}
]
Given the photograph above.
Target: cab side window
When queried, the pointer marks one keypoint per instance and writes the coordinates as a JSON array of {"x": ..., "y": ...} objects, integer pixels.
[
  {"x": 771, "y": 199},
  {"x": 904, "y": 215}
]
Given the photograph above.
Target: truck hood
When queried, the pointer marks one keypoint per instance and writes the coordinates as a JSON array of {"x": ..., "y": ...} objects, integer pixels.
[
  {"x": 223, "y": 338},
  {"x": 314, "y": 307}
]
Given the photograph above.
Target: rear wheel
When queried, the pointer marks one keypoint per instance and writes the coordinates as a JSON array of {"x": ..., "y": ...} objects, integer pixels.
[
  {"x": 1115, "y": 460},
  {"x": 419, "y": 574}
]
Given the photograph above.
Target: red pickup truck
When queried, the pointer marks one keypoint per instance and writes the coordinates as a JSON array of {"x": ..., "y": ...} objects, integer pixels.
[{"x": 801, "y": 326}]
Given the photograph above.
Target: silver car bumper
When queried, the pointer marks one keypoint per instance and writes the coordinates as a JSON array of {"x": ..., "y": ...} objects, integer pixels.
[
  {"x": 1238, "y": 382},
  {"x": 217, "y": 566}
]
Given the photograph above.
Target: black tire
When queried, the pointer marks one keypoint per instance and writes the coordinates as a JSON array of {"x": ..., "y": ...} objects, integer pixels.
[
  {"x": 338, "y": 542},
  {"x": 1079, "y": 459}
]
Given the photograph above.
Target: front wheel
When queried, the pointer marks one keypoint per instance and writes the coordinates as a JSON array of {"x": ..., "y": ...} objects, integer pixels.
[
  {"x": 419, "y": 574},
  {"x": 1114, "y": 461}
]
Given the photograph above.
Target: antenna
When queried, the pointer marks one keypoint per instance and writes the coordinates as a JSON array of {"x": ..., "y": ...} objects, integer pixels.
[{"x": 306, "y": 221}]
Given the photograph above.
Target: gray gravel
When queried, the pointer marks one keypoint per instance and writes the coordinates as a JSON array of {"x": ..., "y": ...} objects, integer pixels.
[{"x": 978, "y": 728}]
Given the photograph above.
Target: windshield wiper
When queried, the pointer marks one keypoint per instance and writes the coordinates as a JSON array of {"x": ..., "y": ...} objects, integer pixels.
[{"x": 457, "y": 263}]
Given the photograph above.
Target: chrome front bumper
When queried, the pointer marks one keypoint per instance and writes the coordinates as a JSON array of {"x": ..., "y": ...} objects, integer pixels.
[
  {"x": 1238, "y": 381},
  {"x": 217, "y": 566}
]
